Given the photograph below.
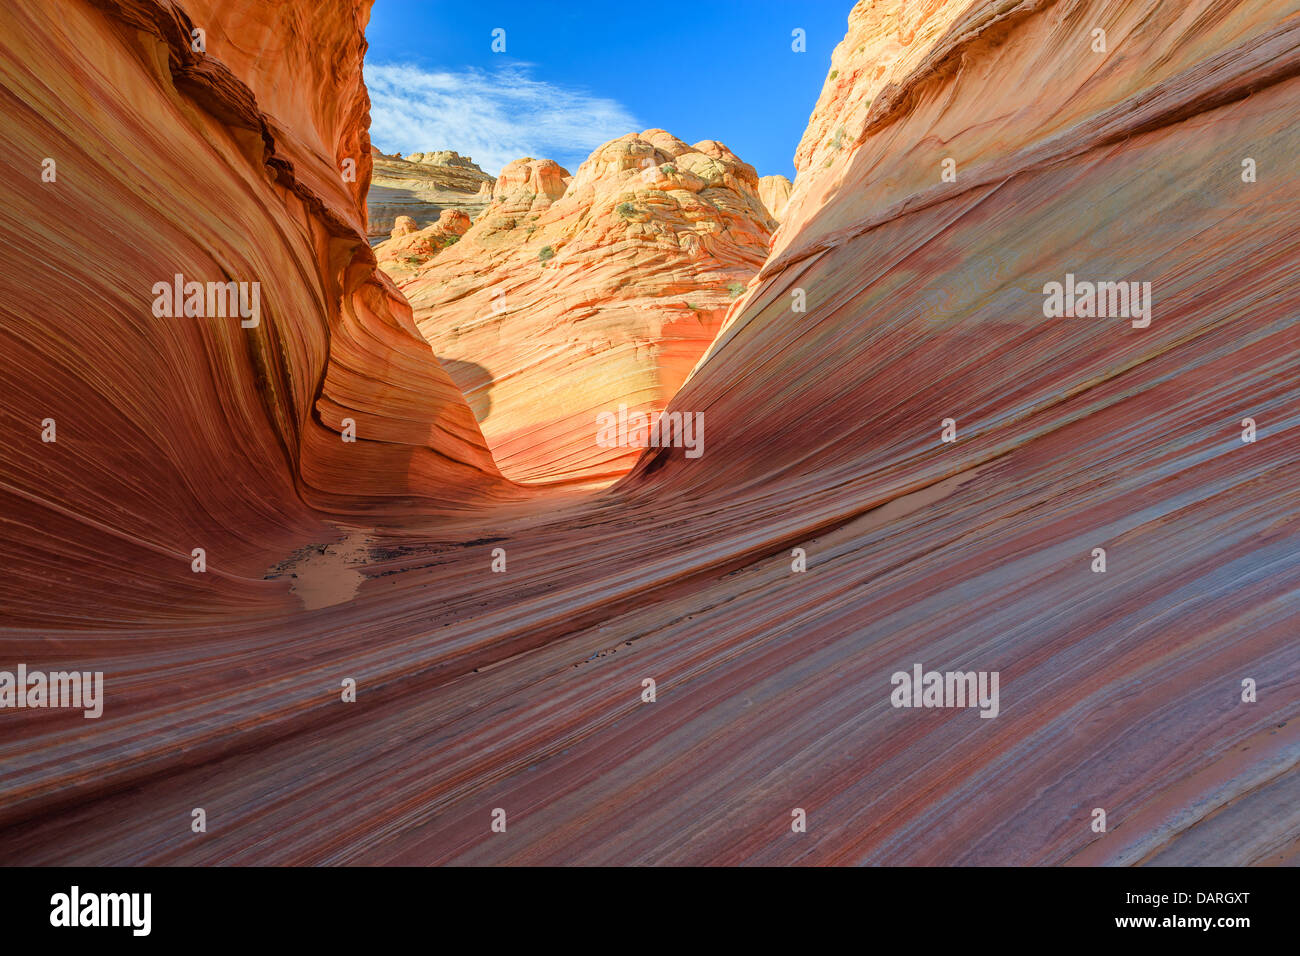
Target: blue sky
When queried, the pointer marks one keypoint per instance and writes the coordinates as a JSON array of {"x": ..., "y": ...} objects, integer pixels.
[{"x": 579, "y": 73}]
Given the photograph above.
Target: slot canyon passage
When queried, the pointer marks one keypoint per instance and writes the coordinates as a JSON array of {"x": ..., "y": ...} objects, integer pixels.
[{"x": 326, "y": 561}]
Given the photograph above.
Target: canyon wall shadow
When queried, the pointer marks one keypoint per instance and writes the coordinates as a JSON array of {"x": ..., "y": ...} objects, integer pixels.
[{"x": 475, "y": 383}]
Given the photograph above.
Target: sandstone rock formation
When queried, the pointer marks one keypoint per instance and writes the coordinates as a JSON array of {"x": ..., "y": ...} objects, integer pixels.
[
  {"x": 775, "y": 193},
  {"x": 259, "y": 197},
  {"x": 402, "y": 226},
  {"x": 573, "y": 295},
  {"x": 443, "y": 157},
  {"x": 409, "y": 248},
  {"x": 423, "y": 186},
  {"x": 521, "y": 688}
]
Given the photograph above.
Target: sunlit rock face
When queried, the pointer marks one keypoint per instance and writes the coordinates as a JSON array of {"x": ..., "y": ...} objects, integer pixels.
[
  {"x": 402, "y": 226},
  {"x": 422, "y": 186},
  {"x": 775, "y": 193},
  {"x": 827, "y": 539},
  {"x": 574, "y": 295},
  {"x": 409, "y": 248},
  {"x": 525, "y": 186}
]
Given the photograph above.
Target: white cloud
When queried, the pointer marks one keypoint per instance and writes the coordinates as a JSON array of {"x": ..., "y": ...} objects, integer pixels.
[{"x": 494, "y": 116}]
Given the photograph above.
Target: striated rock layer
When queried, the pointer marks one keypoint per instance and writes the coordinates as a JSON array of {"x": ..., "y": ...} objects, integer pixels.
[
  {"x": 423, "y": 186},
  {"x": 522, "y": 689},
  {"x": 175, "y": 433},
  {"x": 574, "y": 295}
]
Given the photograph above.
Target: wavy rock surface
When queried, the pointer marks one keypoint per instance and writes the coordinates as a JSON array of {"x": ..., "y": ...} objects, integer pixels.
[
  {"x": 573, "y": 295},
  {"x": 185, "y": 432},
  {"x": 523, "y": 689},
  {"x": 423, "y": 186}
]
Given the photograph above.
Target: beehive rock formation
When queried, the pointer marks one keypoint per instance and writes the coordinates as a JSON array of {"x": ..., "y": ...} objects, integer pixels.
[
  {"x": 521, "y": 688},
  {"x": 574, "y": 295},
  {"x": 409, "y": 247},
  {"x": 403, "y": 226}
]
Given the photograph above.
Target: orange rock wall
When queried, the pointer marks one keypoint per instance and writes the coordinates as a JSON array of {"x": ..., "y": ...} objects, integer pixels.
[
  {"x": 179, "y": 432},
  {"x": 571, "y": 296}
]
